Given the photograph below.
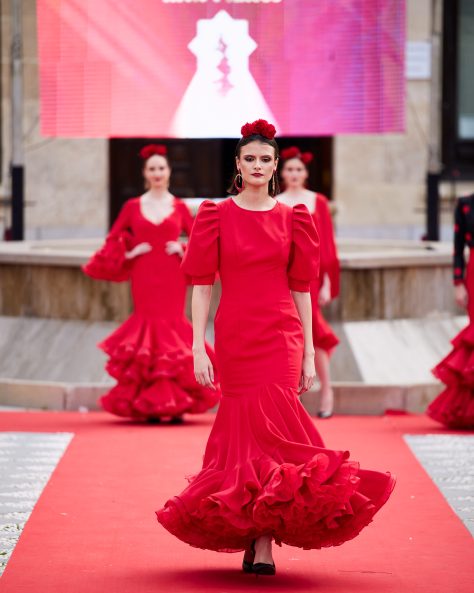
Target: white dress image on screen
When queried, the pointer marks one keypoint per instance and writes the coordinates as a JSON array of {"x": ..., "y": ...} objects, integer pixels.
[{"x": 223, "y": 94}]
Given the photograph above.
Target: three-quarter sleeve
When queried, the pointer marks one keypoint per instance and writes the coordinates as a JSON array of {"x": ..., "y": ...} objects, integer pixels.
[
  {"x": 109, "y": 262},
  {"x": 201, "y": 260},
  {"x": 459, "y": 241},
  {"x": 329, "y": 258},
  {"x": 303, "y": 265}
]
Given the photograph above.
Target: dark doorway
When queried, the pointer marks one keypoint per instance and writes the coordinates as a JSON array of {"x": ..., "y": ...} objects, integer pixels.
[
  {"x": 458, "y": 90},
  {"x": 201, "y": 168}
]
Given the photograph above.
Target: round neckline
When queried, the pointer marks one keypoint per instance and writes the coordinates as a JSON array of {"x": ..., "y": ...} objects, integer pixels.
[{"x": 248, "y": 209}]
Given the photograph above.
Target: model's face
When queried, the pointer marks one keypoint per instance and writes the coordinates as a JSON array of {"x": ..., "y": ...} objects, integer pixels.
[
  {"x": 294, "y": 174},
  {"x": 256, "y": 163},
  {"x": 157, "y": 172}
]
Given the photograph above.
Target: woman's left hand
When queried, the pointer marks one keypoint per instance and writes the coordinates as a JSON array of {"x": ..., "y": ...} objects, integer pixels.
[
  {"x": 174, "y": 247},
  {"x": 308, "y": 373}
]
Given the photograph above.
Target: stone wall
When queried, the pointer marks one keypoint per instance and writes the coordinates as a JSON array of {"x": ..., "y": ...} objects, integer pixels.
[
  {"x": 60, "y": 292},
  {"x": 379, "y": 179},
  {"x": 64, "y": 292}
]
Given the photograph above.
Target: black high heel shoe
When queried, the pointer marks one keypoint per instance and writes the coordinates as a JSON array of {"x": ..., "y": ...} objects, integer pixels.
[
  {"x": 325, "y": 414},
  {"x": 249, "y": 557},
  {"x": 264, "y": 569},
  {"x": 153, "y": 420},
  {"x": 176, "y": 420}
]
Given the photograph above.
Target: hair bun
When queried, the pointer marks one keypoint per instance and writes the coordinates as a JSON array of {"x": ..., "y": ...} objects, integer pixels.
[
  {"x": 260, "y": 127},
  {"x": 151, "y": 149}
]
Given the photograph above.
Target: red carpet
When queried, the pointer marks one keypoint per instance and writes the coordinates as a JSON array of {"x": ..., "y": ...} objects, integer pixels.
[{"x": 94, "y": 529}]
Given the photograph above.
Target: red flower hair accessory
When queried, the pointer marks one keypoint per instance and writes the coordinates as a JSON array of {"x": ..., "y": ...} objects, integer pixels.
[
  {"x": 260, "y": 127},
  {"x": 151, "y": 149},
  {"x": 293, "y": 152}
]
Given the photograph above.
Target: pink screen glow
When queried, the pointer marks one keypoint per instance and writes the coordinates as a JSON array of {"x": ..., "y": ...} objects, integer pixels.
[{"x": 175, "y": 68}]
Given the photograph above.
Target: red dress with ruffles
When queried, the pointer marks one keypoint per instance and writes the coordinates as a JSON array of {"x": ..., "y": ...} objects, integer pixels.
[
  {"x": 323, "y": 335},
  {"x": 265, "y": 468},
  {"x": 454, "y": 407},
  {"x": 150, "y": 354}
]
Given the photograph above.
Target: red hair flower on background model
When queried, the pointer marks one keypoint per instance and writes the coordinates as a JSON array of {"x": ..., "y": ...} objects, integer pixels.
[{"x": 151, "y": 149}]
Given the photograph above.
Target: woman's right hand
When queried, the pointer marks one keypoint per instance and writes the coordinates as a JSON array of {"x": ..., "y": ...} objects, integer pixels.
[
  {"x": 203, "y": 369},
  {"x": 461, "y": 296},
  {"x": 139, "y": 249}
]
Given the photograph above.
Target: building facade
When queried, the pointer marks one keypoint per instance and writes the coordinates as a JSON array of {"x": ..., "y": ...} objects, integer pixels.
[{"x": 377, "y": 182}]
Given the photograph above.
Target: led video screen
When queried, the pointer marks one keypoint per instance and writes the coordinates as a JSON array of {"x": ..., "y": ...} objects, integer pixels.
[{"x": 201, "y": 68}]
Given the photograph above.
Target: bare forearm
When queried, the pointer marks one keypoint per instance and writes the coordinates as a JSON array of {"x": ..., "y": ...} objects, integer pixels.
[
  {"x": 200, "y": 312},
  {"x": 303, "y": 306}
]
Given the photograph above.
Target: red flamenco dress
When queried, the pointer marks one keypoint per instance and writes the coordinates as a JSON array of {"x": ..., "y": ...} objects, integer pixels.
[
  {"x": 323, "y": 335},
  {"x": 265, "y": 468},
  {"x": 454, "y": 407},
  {"x": 150, "y": 354}
]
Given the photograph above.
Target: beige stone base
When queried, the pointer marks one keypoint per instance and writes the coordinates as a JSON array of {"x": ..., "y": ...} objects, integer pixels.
[
  {"x": 356, "y": 399},
  {"x": 350, "y": 398},
  {"x": 39, "y": 395}
]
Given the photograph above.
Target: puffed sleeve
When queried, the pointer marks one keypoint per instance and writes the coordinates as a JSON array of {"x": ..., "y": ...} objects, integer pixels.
[
  {"x": 303, "y": 266},
  {"x": 201, "y": 260},
  {"x": 329, "y": 258},
  {"x": 109, "y": 262},
  {"x": 459, "y": 241}
]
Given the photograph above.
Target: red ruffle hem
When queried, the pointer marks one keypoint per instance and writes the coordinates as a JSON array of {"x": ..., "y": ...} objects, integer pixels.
[
  {"x": 153, "y": 364},
  {"x": 272, "y": 475},
  {"x": 454, "y": 407}
]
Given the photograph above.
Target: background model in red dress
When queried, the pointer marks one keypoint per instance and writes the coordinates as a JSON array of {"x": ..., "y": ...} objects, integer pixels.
[
  {"x": 294, "y": 173},
  {"x": 323, "y": 335},
  {"x": 150, "y": 354},
  {"x": 454, "y": 407},
  {"x": 265, "y": 470}
]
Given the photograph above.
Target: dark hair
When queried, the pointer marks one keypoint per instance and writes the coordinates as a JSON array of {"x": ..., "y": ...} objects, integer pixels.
[{"x": 273, "y": 191}]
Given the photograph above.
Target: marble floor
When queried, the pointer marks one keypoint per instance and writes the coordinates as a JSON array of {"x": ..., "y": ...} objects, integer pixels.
[
  {"x": 448, "y": 460},
  {"x": 27, "y": 461}
]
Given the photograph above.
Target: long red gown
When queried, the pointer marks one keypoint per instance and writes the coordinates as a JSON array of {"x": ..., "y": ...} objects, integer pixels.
[
  {"x": 454, "y": 407},
  {"x": 150, "y": 355},
  {"x": 265, "y": 468}
]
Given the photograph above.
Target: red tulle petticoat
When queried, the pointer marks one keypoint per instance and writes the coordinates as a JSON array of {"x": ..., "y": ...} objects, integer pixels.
[
  {"x": 153, "y": 364},
  {"x": 454, "y": 407},
  {"x": 270, "y": 474}
]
